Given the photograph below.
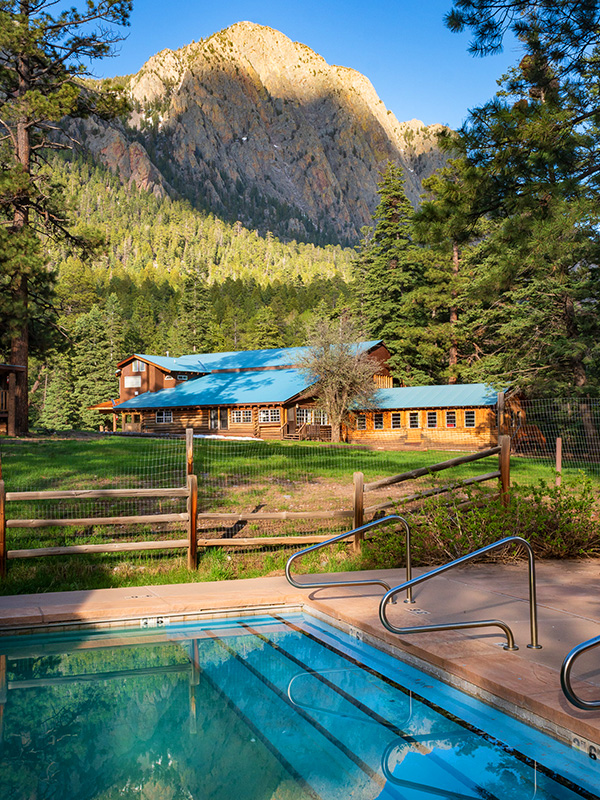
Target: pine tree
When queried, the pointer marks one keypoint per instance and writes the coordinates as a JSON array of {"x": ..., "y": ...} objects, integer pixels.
[
  {"x": 93, "y": 364},
  {"x": 195, "y": 316},
  {"x": 42, "y": 60},
  {"x": 389, "y": 268},
  {"x": 264, "y": 332}
]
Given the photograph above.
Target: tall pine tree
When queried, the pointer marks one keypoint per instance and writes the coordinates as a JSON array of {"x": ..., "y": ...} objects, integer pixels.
[{"x": 388, "y": 270}]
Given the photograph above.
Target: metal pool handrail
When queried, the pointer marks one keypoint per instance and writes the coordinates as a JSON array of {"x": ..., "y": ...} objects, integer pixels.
[
  {"x": 565, "y": 675},
  {"x": 367, "y": 526},
  {"x": 510, "y": 641}
]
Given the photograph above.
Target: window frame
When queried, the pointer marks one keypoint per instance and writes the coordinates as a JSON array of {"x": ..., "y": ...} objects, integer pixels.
[
  {"x": 432, "y": 416},
  {"x": 166, "y": 414},
  {"x": 414, "y": 416},
  {"x": 450, "y": 424},
  {"x": 273, "y": 416},
  {"x": 471, "y": 413},
  {"x": 138, "y": 366},
  {"x": 361, "y": 422},
  {"x": 244, "y": 414},
  {"x": 396, "y": 416},
  {"x": 378, "y": 421}
]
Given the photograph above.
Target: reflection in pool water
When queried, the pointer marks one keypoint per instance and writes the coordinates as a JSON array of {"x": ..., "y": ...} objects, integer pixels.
[{"x": 238, "y": 709}]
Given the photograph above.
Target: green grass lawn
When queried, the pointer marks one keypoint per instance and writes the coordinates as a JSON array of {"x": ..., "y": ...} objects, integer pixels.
[{"x": 233, "y": 475}]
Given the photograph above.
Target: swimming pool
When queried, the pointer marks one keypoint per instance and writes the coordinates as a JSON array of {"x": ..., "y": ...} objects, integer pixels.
[{"x": 273, "y": 707}]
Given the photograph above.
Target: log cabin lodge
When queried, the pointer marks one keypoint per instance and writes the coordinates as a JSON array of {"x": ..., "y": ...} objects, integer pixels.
[{"x": 263, "y": 394}]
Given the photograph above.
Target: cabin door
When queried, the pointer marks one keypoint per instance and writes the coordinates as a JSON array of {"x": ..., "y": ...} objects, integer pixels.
[
  {"x": 214, "y": 419},
  {"x": 223, "y": 421},
  {"x": 291, "y": 420}
]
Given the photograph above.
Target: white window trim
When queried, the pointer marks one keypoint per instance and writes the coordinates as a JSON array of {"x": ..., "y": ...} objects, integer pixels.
[
  {"x": 138, "y": 366},
  {"x": 467, "y": 424},
  {"x": 243, "y": 415},
  {"x": 451, "y": 424},
  {"x": 269, "y": 416},
  {"x": 361, "y": 422},
  {"x": 167, "y": 417},
  {"x": 377, "y": 427},
  {"x": 429, "y": 425},
  {"x": 411, "y": 416},
  {"x": 398, "y": 415}
]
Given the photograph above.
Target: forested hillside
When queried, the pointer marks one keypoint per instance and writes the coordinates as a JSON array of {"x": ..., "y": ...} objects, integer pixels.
[{"x": 166, "y": 278}]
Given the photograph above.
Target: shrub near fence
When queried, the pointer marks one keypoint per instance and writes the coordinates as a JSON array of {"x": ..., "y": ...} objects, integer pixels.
[{"x": 191, "y": 516}]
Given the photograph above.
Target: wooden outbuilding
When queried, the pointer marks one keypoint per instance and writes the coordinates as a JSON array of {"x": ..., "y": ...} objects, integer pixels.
[{"x": 8, "y": 372}]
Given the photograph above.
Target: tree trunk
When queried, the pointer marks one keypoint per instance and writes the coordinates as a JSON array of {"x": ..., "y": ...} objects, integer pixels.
[
  {"x": 453, "y": 353},
  {"x": 19, "y": 346}
]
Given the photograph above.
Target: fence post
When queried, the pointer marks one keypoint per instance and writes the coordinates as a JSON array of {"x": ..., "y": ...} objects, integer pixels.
[
  {"x": 192, "y": 508},
  {"x": 500, "y": 413},
  {"x": 189, "y": 450},
  {"x": 11, "y": 424},
  {"x": 2, "y": 530},
  {"x": 504, "y": 466},
  {"x": 359, "y": 504},
  {"x": 559, "y": 461}
]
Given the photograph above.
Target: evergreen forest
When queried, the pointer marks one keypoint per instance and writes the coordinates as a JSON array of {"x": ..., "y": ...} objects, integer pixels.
[
  {"x": 164, "y": 278},
  {"x": 494, "y": 278}
]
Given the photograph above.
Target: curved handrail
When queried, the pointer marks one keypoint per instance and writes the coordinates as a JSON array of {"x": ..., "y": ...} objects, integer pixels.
[
  {"x": 367, "y": 526},
  {"x": 565, "y": 675},
  {"x": 510, "y": 641}
]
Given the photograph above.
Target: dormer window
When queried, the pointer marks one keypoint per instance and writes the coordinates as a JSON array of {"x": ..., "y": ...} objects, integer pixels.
[{"x": 138, "y": 366}]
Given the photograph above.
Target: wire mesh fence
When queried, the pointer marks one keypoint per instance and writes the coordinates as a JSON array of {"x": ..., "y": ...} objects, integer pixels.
[
  {"x": 250, "y": 491},
  {"x": 576, "y": 423}
]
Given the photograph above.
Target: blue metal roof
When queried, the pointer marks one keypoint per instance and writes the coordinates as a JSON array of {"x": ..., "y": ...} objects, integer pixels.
[
  {"x": 239, "y": 359},
  {"x": 224, "y": 389},
  {"x": 257, "y": 359},
  {"x": 453, "y": 395},
  {"x": 173, "y": 364}
]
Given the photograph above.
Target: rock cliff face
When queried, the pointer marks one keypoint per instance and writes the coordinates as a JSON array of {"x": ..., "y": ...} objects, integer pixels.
[{"x": 255, "y": 127}]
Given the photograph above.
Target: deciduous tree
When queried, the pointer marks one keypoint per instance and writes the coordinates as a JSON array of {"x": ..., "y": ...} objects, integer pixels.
[{"x": 341, "y": 372}]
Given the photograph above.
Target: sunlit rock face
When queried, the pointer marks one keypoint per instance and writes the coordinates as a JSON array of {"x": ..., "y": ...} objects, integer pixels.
[{"x": 255, "y": 127}]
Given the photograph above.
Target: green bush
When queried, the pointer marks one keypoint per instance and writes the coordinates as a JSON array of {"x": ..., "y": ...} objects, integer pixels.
[{"x": 558, "y": 522}]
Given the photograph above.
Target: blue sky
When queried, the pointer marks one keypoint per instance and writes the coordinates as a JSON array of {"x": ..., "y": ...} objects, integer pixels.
[{"x": 418, "y": 68}]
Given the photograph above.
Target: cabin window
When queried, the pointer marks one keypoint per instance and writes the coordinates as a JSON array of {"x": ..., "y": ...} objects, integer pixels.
[
  {"x": 469, "y": 419},
  {"x": 432, "y": 419},
  {"x": 213, "y": 419},
  {"x": 303, "y": 416},
  {"x": 131, "y": 381},
  {"x": 164, "y": 416},
  {"x": 138, "y": 366},
  {"x": 168, "y": 377},
  {"x": 361, "y": 422},
  {"x": 396, "y": 419},
  {"x": 182, "y": 377},
  {"x": 413, "y": 419},
  {"x": 451, "y": 419},
  {"x": 240, "y": 416},
  {"x": 321, "y": 417},
  {"x": 266, "y": 415},
  {"x": 378, "y": 421}
]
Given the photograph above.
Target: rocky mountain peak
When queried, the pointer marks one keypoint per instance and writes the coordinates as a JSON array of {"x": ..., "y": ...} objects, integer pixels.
[{"x": 256, "y": 127}]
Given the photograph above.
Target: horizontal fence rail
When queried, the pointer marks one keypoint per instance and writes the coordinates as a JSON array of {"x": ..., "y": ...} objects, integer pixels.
[{"x": 192, "y": 516}]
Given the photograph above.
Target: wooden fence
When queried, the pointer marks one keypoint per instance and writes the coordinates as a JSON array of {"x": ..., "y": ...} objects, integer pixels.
[{"x": 191, "y": 516}]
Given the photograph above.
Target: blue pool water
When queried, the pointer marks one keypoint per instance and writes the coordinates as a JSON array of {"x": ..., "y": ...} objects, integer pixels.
[{"x": 276, "y": 707}]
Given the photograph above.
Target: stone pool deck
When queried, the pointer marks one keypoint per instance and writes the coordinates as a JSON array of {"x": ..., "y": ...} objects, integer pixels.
[{"x": 526, "y": 682}]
